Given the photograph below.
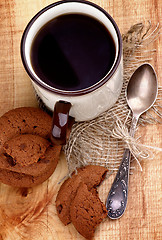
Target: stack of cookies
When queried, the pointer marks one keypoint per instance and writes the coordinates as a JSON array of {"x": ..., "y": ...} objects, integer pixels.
[{"x": 27, "y": 157}]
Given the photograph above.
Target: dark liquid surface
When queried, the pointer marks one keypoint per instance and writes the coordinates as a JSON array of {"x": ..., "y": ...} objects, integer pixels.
[{"x": 72, "y": 52}]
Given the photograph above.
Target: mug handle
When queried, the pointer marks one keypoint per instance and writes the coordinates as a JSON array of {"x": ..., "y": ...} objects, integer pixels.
[{"x": 60, "y": 122}]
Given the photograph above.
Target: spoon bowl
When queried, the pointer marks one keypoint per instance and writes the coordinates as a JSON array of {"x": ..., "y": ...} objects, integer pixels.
[
  {"x": 142, "y": 89},
  {"x": 141, "y": 94}
]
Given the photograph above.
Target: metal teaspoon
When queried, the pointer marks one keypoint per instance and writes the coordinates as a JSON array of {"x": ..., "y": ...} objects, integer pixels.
[{"x": 141, "y": 94}]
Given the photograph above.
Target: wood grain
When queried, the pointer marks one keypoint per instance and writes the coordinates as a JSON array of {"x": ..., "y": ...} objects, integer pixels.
[{"x": 30, "y": 213}]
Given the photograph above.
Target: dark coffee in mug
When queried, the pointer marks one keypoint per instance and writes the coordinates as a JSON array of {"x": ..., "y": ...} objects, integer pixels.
[{"x": 72, "y": 52}]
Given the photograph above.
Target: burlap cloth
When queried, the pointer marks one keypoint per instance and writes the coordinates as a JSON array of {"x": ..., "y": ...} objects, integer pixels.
[{"x": 101, "y": 141}]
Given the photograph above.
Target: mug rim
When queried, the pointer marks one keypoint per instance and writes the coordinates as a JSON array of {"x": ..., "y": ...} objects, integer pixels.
[{"x": 81, "y": 91}]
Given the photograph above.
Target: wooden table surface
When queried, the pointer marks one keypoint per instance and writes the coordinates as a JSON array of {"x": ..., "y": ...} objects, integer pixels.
[{"x": 32, "y": 215}]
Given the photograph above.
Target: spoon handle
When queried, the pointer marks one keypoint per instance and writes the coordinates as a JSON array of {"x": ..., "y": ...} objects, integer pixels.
[{"x": 117, "y": 197}]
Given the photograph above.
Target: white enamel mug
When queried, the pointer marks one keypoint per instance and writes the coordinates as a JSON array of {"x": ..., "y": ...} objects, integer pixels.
[{"x": 84, "y": 104}]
